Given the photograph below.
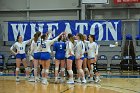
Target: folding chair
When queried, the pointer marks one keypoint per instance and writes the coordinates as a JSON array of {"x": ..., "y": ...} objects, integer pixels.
[
  {"x": 102, "y": 63},
  {"x": 115, "y": 63},
  {"x": 127, "y": 65},
  {"x": 11, "y": 63},
  {"x": 137, "y": 58},
  {"x": 1, "y": 62}
]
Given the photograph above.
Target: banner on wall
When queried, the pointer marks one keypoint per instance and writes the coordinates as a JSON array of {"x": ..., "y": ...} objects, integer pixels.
[
  {"x": 103, "y": 30},
  {"x": 95, "y": 1},
  {"x": 126, "y": 1}
]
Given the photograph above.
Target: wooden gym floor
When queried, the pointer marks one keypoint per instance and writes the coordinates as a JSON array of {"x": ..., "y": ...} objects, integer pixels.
[{"x": 107, "y": 85}]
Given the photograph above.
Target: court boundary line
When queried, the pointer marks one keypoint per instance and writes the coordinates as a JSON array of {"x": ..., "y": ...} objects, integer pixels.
[
  {"x": 118, "y": 88},
  {"x": 67, "y": 89}
]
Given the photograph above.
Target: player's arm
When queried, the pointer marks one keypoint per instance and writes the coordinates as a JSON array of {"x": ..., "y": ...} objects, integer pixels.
[
  {"x": 82, "y": 48},
  {"x": 55, "y": 39},
  {"x": 96, "y": 52},
  {"x": 11, "y": 49},
  {"x": 32, "y": 48}
]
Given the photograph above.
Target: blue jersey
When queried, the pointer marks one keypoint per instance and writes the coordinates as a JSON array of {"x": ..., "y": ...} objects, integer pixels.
[{"x": 59, "y": 48}]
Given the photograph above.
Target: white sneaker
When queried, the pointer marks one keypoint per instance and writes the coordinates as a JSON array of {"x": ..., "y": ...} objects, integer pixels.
[
  {"x": 56, "y": 81},
  {"x": 27, "y": 77},
  {"x": 17, "y": 79},
  {"x": 78, "y": 81},
  {"x": 70, "y": 82},
  {"x": 91, "y": 80},
  {"x": 44, "y": 81},
  {"x": 37, "y": 79},
  {"x": 62, "y": 80},
  {"x": 84, "y": 81},
  {"x": 31, "y": 80},
  {"x": 97, "y": 79}
]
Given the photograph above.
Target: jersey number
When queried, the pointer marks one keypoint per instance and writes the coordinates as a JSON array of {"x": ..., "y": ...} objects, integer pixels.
[
  {"x": 60, "y": 46},
  {"x": 43, "y": 46},
  {"x": 38, "y": 43},
  {"x": 21, "y": 48}
]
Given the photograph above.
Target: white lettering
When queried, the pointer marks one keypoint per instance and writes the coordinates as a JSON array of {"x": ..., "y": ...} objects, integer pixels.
[
  {"x": 100, "y": 27},
  {"x": 113, "y": 30},
  {"x": 50, "y": 27},
  {"x": 68, "y": 28},
  {"x": 18, "y": 28},
  {"x": 81, "y": 27}
]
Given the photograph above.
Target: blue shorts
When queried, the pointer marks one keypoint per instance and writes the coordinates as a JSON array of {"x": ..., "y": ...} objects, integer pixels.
[
  {"x": 37, "y": 55},
  {"x": 60, "y": 56},
  {"x": 91, "y": 58},
  {"x": 20, "y": 56},
  {"x": 71, "y": 58},
  {"x": 45, "y": 56},
  {"x": 85, "y": 55},
  {"x": 82, "y": 58}
]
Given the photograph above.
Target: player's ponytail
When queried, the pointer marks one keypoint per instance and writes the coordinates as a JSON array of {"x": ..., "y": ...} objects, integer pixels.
[
  {"x": 71, "y": 38},
  {"x": 36, "y": 36},
  {"x": 59, "y": 39},
  {"x": 43, "y": 37}
]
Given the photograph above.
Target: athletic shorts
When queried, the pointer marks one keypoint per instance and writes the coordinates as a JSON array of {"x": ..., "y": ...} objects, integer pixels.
[
  {"x": 82, "y": 58},
  {"x": 85, "y": 55},
  {"x": 20, "y": 56},
  {"x": 60, "y": 56},
  {"x": 45, "y": 56},
  {"x": 37, "y": 55},
  {"x": 71, "y": 58},
  {"x": 91, "y": 58}
]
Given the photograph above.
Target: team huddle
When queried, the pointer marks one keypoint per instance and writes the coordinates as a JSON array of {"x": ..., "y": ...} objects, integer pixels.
[{"x": 66, "y": 48}]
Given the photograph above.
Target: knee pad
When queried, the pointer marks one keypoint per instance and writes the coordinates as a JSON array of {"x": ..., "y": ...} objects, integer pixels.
[
  {"x": 80, "y": 71},
  {"x": 47, "y": 71},
  {"x": 56, "y": 68},
  {"x": 62, "y": 69},
  {"x": 35, "y": 69},
  {"x": 27, "y": 69},
  {"x": 86, "y": 69},
  {"x": 91, "y": 72},
  {"x": 43, "y": 71},
  {"x": 77, "y": 71},
  {"x": 70, "y": 72},
  {"x": 95, "y": 68},
  {"x": 92, "y": 66},
  {"x": 17, "y": 69}
]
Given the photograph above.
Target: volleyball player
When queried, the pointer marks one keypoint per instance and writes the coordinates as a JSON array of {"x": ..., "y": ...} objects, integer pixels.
[
  {"x": 79, "y": 54},
  {"x": 20, "y": 55},
  {"x": 30, "y": 55},
  {"x": 85, "y": 62},
  {"x": 70, "y": 57},
  {"x": 92, "y": 58},
  {"x": 45, "y": 55},
  {"x": 35, "y": 50},
  {"x": 59, "y": 51}
]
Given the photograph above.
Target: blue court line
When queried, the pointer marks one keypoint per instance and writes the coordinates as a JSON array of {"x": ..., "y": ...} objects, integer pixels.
[
  {"x": 103, "y": 76},
  {"x": 121, "y": 76}
]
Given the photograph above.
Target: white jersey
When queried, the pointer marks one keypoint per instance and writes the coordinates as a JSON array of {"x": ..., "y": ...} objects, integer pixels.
[
  {"x": 92, "y": 49},
  {"x": 20, "y": 47},
  {"x": 35, "y": 46},
  {"x": 86, "y": 45},
  {"x": 69, "y": 48},
  {"x": 47, "y": 44},
  {"x": 79, "y": 49}
]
